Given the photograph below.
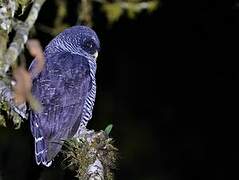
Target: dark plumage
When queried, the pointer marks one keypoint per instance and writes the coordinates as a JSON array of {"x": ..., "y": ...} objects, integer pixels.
[{"x": 66, "y": 89}]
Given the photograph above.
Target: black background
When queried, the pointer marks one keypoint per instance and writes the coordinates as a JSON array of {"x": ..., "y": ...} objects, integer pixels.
[{"x": 168, "y": 82}]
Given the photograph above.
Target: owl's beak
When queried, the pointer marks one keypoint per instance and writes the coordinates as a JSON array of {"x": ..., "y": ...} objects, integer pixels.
[{"x": 95, "y": 55}]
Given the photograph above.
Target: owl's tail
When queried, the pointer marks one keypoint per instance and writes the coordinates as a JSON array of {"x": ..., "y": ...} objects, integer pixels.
[{"x": 40, "y": 147}]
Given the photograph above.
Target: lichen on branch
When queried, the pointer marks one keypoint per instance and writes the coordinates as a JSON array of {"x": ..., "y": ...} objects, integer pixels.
[
  {"x": 9, "y": 56},
  {"x": 22, "y": 30},
  {"x": 91, "y": 155}
]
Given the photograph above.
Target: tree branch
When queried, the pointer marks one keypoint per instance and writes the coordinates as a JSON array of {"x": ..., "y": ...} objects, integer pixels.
[
  {"x": 91, "y": 155},
  {"x": 22, "y": 31},
  {"x": 15, "y": 48},
  {"x": 7, "y": 10}
]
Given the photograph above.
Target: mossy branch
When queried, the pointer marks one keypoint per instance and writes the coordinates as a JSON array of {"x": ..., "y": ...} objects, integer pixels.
[
  {"x": 22, "y": 31},
  {"x": 7, "y": 96},
  {"x": 9, "y": 56},
  {"x": 91, "y": 155}
]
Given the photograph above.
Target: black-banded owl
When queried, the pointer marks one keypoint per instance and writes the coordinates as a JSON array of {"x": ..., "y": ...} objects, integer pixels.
[{"x": 66, "y": 89}]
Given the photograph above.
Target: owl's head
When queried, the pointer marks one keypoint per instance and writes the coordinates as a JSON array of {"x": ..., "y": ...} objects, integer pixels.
[{"x": 78, "y": 40}]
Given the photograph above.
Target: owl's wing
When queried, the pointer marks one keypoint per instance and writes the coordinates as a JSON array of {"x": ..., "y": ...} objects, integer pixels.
[{"x": 61, "y": 88}]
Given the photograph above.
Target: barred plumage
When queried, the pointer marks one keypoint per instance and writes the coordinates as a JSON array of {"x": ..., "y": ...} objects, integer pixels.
[{"x": 66, "y": 88}]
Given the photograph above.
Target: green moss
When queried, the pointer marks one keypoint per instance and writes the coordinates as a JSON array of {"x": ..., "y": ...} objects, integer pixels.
[
  {"x": 77, "y": 157},
  {"x": 78, "y": 154},
  {"x": 3, "y": 44},
  {"x": 8, "y": 115},
  {"x": 2, "y": 121},
  {"x": 152, "y": 6},
  {"x": 23, "y": 4},
  {"x": 4, "y": 106},
  {"x": 113, "y": 11},
  {"x": 4, "y": 113}
]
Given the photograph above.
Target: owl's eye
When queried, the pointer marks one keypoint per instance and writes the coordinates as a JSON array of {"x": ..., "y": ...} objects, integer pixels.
[{"x": 89, "y": 46}]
